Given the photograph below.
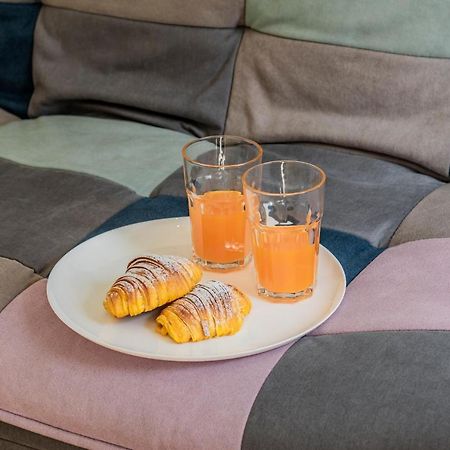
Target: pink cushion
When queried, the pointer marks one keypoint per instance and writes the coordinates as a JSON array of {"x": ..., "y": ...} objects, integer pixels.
[
  {"x": 53, "y": 376},
  {"x": 405, "y": 288}
]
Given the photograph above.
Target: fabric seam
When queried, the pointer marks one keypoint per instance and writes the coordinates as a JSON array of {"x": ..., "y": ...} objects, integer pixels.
[{"x": 58, "y": 428}]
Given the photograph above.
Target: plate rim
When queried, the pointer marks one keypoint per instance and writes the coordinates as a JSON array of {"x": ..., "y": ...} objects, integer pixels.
[{"x": 61, "y": 315}]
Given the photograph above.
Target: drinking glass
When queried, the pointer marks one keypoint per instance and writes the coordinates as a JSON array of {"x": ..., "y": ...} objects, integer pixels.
[
  {"x": 213, "y": 169},
  {"x": 284, "y": 201}
]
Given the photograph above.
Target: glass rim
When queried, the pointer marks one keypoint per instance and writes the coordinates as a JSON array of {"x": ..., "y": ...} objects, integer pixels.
[
  {"x": 218, "y": 166},
  {"x": 318, "y": 185}
]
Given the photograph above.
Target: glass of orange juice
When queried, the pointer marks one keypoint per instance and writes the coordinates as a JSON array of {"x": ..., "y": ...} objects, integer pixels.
[
  {"x": 213, "y": 169},
  {"x": 284, "y": 202}
]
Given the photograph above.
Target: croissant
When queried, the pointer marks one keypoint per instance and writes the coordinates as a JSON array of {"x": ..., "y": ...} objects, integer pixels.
[
  {"x": 149, "y": 282},
  {"x": 212, "y": 309}
]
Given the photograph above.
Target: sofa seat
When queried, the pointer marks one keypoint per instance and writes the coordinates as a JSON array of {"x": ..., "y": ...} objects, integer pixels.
[
  {"x": 64, "y": 179},
  {"x": 86, "y": 395},
  {"x": 134, "y": 155},
  {"x": 365, "y": 196}
]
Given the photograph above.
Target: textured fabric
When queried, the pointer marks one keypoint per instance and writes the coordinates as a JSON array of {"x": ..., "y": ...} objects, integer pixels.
[
  {"x": 134, "y": 155},
  {"x": 203, "y": 13},
  {"x": 371, "y": 390},
  {"x": 11, "y": 436},
  {"x": 6, "y": 117},
  {"x": 14, "y": 278},
  {"x": 407, "y": 287},
  {"x": 411, "y": 27},
  {"x": 172, "y": 76},
  {"x": 429, "y": 219},
  {"x": 144, "y": 209},
  {"x": 132, "y": 402},
  {"x": 17, "y": 22},
  {"x": 46, "y": 212},
  {"x": 353, "y": 253},
  {"x": 364, "y": 196},
  {"x": 62, "y": 437},
  {"x": 286, "y": 90}
]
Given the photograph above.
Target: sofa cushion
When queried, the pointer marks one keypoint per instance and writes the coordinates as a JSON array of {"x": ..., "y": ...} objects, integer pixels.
[
  {"x": 203, "y": 13},
  {"x": 429, "y": 219},
  {"x": 286, "y": 90},
  {"x": 408, "y": 28},
  {"x": 353, "y": 252},
  {"x": 350, "y": 388},
  {"x": 130, "y": 402},
  {"x": 365, "y": 196},
  {"x": 374, "y": 391},
  {"x": 133, "y": 155},
  {"x": 168, "y": 75},
  {"x": 45, "y": 212},
  {"x": 394, "y": 292},
  {"x": 14, "y": 278},
  {"x": 17, "y": 22},
  {"x": 15, "y": 438}
]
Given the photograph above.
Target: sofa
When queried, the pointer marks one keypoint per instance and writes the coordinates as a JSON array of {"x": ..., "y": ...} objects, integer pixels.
[{"x": 96, "y": 100}]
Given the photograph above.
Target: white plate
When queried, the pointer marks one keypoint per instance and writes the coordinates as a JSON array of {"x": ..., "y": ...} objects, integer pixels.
[{"x": 79, "y": 281}]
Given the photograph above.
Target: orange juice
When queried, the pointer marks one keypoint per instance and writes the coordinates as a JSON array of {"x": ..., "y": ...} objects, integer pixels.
[
  {"x": 286, "y": 256},
  {"x": 219, "y": 228}
]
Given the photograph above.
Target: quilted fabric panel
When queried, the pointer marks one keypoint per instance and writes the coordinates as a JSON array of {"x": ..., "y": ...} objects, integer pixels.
[
  {"x": 365, "y": 197},
  {"x": 359, "y": 390},
  {"x": 203, "y": 13},
  {"x": 405, "y": 288},
  {"x": 66, "y": 378},
  {"x": 429, "y": 219},
  {"x": 46, "y": 212},
  {"x": 410, "y": 27},
  {"x": 286, "y": 90},
  {"x": 353, "y": 252},
  {"x": 14, "y": 278},
  {"x": 301, "y": 403},
  {"x": 136, "y": 156},
  {"x": 15, "y": 438},
  {"x": 17, "y": 22},
  {"x": 172, "y": 76}
]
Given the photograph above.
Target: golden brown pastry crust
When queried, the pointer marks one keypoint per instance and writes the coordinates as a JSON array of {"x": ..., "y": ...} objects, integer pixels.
[
  {"x": 210, "y": 310},
  {"x": 149, "y": 282}
]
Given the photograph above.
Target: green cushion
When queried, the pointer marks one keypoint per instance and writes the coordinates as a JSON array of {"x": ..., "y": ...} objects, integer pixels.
[
  {"x": 410, "y": 27},
  {"x": 134, "y": 155}
]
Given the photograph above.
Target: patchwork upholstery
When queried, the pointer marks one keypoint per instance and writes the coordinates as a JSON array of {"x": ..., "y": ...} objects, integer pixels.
[
  {"x": 171, "y": 86},
  {"x": 111, "y": 90},
  {"x": 364, "y": 196},
  {"x": 36, "y": 197},
  {"x": 55, "y": 352},
  {"x": 133, "y": 155},
  {"x": 415, "y": 28},
  {"x": 352, "y": 391},
  {"x": 287, "y": 90},
  {"x": 201, "y": 13},
  {"x": 15, "y": 438},
  {"x": 392, "y": 293},
  {"x": 15, "y": 278},
  {"x": 17, "y": 22},
  {"x": 429, "y": 219}
]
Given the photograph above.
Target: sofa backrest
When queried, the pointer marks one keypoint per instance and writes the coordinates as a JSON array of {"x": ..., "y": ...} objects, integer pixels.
[
  {"x": 368, "y": 75},
  {"x": 17, "y": 22}
]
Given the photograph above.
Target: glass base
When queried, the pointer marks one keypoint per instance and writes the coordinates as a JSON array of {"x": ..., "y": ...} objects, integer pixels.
[
  {"x": 283, "y": 297},
  {"x": 211, "y": 265}
]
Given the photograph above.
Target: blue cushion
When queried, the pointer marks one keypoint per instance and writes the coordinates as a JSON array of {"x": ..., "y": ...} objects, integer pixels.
[{"x": 17, "y": 22}]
